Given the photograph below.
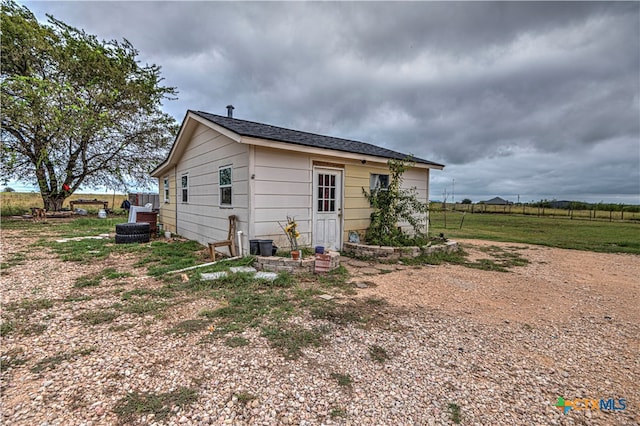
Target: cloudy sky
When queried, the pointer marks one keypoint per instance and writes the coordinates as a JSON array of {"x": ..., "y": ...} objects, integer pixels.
[{"x": 525, "y": 101}]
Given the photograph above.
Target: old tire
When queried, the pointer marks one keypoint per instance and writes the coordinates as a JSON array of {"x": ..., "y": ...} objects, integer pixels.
[
  {"x": 132, "y": 238},
  {"x": 132, "y": 228}
]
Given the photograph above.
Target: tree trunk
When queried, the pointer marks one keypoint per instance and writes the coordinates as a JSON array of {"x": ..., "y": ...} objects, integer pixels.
[{"x": 53, "y": 203}]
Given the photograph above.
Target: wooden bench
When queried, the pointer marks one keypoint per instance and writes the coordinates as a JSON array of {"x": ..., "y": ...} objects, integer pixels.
[{"x": 73, "y": 203}]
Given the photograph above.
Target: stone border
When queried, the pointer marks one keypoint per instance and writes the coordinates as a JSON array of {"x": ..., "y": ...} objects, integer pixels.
[
  {"x": 286, "y": 264},
  {"x": 395, "y": 253}
]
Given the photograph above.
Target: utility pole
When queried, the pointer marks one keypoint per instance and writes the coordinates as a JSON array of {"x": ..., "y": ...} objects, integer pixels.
[{"x": 453, "y": 193}]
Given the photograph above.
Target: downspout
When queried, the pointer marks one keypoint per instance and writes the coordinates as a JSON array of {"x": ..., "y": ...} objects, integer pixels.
[
  {"x": 428, "y": 210},
  {"x": 175, "y": 184}
]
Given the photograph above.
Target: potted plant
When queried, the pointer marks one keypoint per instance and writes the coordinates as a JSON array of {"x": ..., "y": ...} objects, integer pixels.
[{"x": 291, "y": 231}]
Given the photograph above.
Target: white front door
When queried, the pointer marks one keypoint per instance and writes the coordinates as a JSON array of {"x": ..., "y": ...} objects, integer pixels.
[{"x": 327, "y": 208}]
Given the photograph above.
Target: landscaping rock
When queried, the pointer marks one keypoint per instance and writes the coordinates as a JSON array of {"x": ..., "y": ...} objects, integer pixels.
[{"x": 213, "y": 275}]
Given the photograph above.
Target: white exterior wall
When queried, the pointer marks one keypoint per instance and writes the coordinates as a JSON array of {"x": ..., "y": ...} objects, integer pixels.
[
  {"x": 282, "y": 187},
  {"x": 201, "y": 218}
]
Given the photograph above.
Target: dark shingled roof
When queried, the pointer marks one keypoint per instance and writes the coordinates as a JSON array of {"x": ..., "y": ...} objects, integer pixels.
[{"x": 280, "y": 134}]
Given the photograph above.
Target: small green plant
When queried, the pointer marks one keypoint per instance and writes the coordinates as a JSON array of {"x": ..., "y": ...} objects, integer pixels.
[
  {"x": 343, "y": 379},
  {"x": 336, "y": 412},
  {"x": 189, "y": 326},
  {"x": 7, "y": 327},
  {"x": 375, "y": 301},
  {"x": 378, "y": 353},
  {"x": 236, "y": 342},
  {"x": 454, "y": 411},
  {"x": 13, "y": 260},
  {"x": 158, "y": 404},
  {"x": 245, "y": 397},
  {"x": 97, "y": 317},
  {"x": 290, "y": 341},
  {"x": 92, "y": 280},
  {"x": 77, "y": 298},
  {"x": 393, "y": 205},
  {"x": 29, "y": 305},
  {"x": 143, "y": 307},
  {"x": 11, "y": 359},
  {"x": 52, "y": 362}
]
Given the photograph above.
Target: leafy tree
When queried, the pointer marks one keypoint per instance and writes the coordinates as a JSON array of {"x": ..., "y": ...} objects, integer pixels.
[
  {"x": 466, "y": 201},
  {"x": 8, "y": 189},
  {"x": 393, "y": 205},
  {"x": 77, "y": 110}
]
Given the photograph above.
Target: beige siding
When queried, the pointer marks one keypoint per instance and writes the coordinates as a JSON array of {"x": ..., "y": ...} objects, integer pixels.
[
  {"x": 167, "y": 215},
  {"x": 282, "y": 187},
  {"x": 357, "y": 210},
  {"x": 201, "y": 218}
]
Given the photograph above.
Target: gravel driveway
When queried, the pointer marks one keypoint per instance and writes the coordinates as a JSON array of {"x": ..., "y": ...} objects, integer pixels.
[{"x": 454, "y": 344}]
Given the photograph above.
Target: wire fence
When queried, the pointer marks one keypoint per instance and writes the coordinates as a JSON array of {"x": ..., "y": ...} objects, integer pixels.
[{"x": 610, "y": 212}]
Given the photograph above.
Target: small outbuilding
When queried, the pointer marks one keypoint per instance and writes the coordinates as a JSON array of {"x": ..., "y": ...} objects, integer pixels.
[
  {"x": 220, "y": 166},
  {"x": 496, "y": 201}
]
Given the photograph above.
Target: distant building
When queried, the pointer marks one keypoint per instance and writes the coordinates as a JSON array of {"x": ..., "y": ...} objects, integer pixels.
[{"x": 497, "y": 201}]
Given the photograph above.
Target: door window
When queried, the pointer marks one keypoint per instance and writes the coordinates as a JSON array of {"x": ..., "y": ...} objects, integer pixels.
[{"x": 326, "y": 192}]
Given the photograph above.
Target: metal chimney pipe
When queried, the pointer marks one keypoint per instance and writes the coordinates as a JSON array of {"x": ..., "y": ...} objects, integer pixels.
[{"x": 230, "y": 111}]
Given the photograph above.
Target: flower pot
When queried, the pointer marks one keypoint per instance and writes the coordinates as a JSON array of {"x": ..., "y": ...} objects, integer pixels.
[{"x": 295, "y": 254}]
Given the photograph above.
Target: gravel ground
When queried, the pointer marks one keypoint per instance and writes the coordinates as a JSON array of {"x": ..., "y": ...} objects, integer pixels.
[{"x": 478, "y": 347}]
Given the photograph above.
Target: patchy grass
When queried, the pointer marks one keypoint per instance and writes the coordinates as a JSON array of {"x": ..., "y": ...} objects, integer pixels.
[
  {"x": 97, "y": 317},
  {"x": 500, "y": 260},
  {"x": 337, "y": 412},
  {"x": 52, "y": 362},
  {"x": 186, "y": 327},
  {"x": 164, "y": 256},
  {"x": 454, "y": 412},
  {"x": 290, "y": 341},
  {"x": 7, "y": 327},
  {"x": 343, "y": 380},
  {"x": 244, "y": 397},
  {"x": 77, "y": 298},
  {"x": 11, "y": 359},
  {"x": 142, "y": 307},
  {"x": 236, "y": 342},
  {"x": 18, "y": 317},
  {"x": 337, "y": 314},
  {"x": 164, "y": 293},
  {"x": 378, "y": 353},
  {"x": 27, "y": 306},
  {"x": 92, "y": 280},
  {"x": 160, "y": 405},
  {"x": 13, "y": 259}
]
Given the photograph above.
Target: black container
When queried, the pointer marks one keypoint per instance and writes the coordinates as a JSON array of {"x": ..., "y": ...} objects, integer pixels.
[
  {"x": 254, "y": 247},
  {"x": 274, "y": 250},
  {"x": 266, "y": 247}
]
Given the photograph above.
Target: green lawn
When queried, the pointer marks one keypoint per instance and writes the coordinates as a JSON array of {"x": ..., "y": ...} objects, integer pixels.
[{"x": 608, "y": 237}]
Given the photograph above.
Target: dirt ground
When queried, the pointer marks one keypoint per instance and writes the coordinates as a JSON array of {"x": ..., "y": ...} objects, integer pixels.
[{"x": 556, "y": 285}]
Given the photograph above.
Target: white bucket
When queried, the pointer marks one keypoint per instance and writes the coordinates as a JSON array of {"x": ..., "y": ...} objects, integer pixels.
[
  {"x": 167, "y": 234},
  {"x": 102, "y": 214}
]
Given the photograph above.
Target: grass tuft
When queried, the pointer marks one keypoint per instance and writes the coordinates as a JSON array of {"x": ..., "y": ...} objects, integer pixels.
[
  {"x": 378, "y": 354},
  {"x": 158, "y": 404}
]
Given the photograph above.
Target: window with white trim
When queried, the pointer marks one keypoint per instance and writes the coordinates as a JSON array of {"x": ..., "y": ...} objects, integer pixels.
[
  {"x": 166, "y": 189},
  {"x": 225, "y": 184},
  {"x": 184, "y": 185},
  {"x": 378, "y": 181}
]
